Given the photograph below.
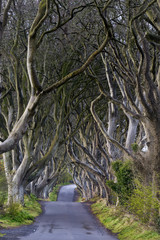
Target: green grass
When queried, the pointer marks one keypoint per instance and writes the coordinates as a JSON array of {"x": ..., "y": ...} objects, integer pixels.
[
  {"x": 1, "y": 235},
  {"x": 123, "y": 224},
  {"x": 16, "y": 215},
  {"x": 54, "y": 194}
]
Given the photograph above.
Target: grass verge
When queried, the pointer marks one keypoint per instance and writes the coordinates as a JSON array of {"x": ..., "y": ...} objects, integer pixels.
[
  {"x": 16, "y": 215},
  {"x": 121, "y": 223}
]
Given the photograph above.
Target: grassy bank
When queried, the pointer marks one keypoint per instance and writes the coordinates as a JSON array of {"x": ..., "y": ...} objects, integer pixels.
[
  {"x": 16, "y": 215},
  {"x": 54, "y": 194},
  {"x": 121, "y": 223}
]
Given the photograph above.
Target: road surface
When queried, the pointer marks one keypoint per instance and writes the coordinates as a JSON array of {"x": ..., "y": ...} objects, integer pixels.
[{"x": 62, "y": 220}]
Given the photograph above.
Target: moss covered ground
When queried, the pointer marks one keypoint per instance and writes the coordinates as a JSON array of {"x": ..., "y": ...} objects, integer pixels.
[
  {"x": 124, "y": 225},
  {"x": 16, "y": 215}
]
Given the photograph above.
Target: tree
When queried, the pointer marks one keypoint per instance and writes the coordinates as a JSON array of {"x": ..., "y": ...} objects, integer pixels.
[
  {"x": 132, "y": 58},
  {"x": 37, "y": 92},
  {"x": 21, "y": 104}
]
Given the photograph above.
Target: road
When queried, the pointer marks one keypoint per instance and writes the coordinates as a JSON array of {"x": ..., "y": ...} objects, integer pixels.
[{"x": 62, "y": 220}]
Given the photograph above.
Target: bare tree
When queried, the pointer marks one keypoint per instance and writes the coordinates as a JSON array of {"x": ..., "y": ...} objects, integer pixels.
[
  {"x": 37, "y": 92},
  {"x": 133, "y": 60}
]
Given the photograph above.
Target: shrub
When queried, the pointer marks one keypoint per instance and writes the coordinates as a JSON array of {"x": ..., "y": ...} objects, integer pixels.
[
  {"x": 144, "y": 204},
  {"x": 125, "y": 184},
  {"x": 32, "y": 198},
  {"x": 16, "y": 213},
  {"x": 14, "y": 209},
  {"x": 135, "y": 147}
]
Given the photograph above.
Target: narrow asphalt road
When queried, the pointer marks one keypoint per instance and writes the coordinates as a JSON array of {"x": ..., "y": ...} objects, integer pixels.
[{"x": 62, "y": 220}]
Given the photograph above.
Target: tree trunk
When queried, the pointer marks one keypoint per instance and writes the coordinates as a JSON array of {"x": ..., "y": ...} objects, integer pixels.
[
  {"x": 15, "y": 193},
  {"x": 152, "y": 155},
  {"x": 15, "y": 187},
  {"x": 131, "y": 134},
  {"x": 15, "y": 177}
]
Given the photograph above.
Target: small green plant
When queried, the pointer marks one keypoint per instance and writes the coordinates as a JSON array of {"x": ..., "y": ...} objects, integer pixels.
[
  {"x": 1, "y": 235},
  {"x": 17, "y": 213},
  {"x": 14, "y": 209},
  {"x": 135, "y": 147},
  {"x": 124, "y": 175},
  {"x": 33, "y": 197},
  {"x": 53, "y": 195},
  {"x": 144, "y": 204}
]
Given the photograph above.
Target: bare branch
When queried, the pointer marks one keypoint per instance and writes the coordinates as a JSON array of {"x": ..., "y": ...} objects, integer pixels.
[
  {"x": 5, "y": 94},
  {"x": 40, "y": 17},
  {"x": 104, "y": 132},
  {"x": 88, "y": 154},
  {"x": 5, "y": 15},
  {"x": 59, "y": 23},
  {"x": 118, "y": 102},
  {"x": 76, "y": 161},
  {"x": 79, "y": 70}
]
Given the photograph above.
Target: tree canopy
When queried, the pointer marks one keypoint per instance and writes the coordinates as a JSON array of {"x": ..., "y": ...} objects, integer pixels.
[{"x": 80, "y": 90}]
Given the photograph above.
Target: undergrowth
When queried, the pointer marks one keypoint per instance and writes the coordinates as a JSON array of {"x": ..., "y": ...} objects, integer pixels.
[
  {"x": 16, "y": 214},
  {"x": 123, "y": 224},
  {"x": 54, "y": 194}
]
